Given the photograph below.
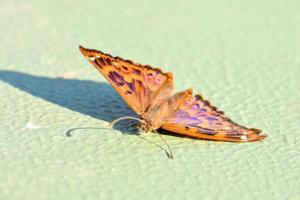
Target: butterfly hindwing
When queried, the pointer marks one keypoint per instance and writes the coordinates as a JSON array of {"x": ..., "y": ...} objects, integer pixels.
[
  {"x": 139, "y": 85},
  {"x": 196, "y": 117}
]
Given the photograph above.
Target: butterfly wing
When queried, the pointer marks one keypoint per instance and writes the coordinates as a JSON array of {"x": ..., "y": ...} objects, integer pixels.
[
  {"x": 196, "y": 117},
  {"x": 139, "y": 85}
]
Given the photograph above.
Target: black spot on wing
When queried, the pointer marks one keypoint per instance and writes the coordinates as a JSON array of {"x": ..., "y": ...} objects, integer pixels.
[
  {"x": 128, "y": 92},
  {"x": 137, "y": 71},
  {"x": 125, "y": 68},
  {"x": 205, "y": 131},
  {"x": 108, "y": 61},
  {"x": 100, "y": 61}
]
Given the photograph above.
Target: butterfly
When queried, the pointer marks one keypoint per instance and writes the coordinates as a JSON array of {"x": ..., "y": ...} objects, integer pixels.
[{"x": 148, "y": 91}]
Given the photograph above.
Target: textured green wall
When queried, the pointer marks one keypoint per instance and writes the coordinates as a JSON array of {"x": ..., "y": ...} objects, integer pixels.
[{"x": 244, "y": 56}]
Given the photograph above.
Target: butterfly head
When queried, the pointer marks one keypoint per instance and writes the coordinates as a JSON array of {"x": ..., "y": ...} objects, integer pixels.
[{"x": 146, "y": 126}]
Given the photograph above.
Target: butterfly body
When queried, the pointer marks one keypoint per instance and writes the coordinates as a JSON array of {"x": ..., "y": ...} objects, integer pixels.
[
  {"x": 149, "y": 93},
  {"x": 154, "y": 117}
]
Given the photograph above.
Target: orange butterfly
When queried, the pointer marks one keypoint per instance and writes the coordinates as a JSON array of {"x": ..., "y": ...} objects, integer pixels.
[{"x": 148, "y": 92}]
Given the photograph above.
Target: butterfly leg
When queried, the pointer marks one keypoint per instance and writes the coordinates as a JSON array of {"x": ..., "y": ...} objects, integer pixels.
[{"x": 170, "y": 153}]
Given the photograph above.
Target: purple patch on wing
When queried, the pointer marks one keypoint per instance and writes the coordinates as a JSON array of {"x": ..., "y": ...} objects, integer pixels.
[
  {"x": 211, "y": 119},
  {"x": 112, "y": 78},
  {"x": 116, "y": 78},
  {"x": 130, "y": 85},
  {"x": 201, "y": 114},
  {"x": 120, "y": 81},
  {"x": 181, "y": 113},
  {"x": 196, "y": 106},
  {"x": 183, "y": 117},
  {"x": 194, "y": 121}
]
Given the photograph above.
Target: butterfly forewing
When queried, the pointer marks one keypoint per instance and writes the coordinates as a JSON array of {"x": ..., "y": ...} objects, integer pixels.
[{"x": 139, "y": 85}]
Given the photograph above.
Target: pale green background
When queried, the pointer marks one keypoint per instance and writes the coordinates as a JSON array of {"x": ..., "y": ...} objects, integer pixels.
[{"x": 244, "y": 56}]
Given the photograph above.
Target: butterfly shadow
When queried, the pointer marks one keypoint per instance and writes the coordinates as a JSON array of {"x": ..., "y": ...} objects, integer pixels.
[{"x": 95, "y": 99}]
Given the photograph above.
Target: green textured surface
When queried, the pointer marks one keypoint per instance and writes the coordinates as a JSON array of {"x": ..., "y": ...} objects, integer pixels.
[{"x": 244, "y": 56}]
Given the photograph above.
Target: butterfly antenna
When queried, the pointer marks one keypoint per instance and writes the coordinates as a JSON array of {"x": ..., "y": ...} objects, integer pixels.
[
  {"x": 122, "y": 118},
  {"x": 170, "y": 154}
]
